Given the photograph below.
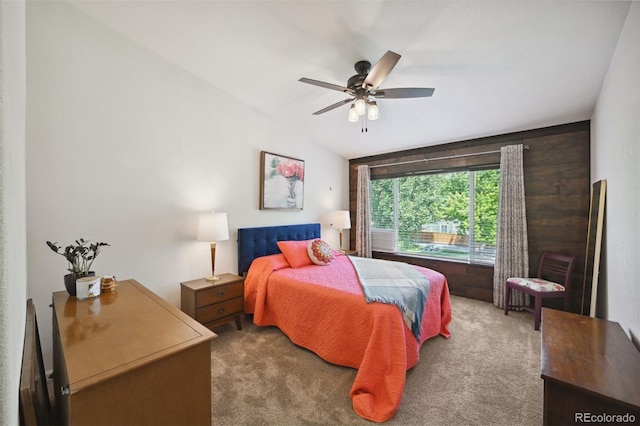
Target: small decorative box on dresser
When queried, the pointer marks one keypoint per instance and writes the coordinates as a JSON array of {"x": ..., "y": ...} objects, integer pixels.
[
  {"x": 590, "y": 370},
  {"x": 213, "y": 303}
]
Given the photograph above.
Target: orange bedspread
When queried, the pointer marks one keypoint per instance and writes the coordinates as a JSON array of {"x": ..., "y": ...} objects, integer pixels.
[{"x": 322, "y": 308}]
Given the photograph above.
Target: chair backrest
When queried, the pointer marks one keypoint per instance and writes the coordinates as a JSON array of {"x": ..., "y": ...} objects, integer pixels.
[
  {"x": 557, "y": 268},
  {"x": 35, "y": 408}
]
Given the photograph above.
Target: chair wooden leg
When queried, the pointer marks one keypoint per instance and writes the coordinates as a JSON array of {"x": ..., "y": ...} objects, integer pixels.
[
  {"x": 537, "y": 313},
  {"x": 507, "y": 296}
]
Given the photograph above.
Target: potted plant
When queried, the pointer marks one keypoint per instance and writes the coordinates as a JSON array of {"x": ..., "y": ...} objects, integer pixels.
[{"x": 80, "y": 257}]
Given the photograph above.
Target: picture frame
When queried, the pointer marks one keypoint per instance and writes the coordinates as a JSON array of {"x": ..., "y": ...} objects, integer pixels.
[{"x": 281, "y": 182}]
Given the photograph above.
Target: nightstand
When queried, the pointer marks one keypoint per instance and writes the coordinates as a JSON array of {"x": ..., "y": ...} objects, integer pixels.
[
  {"x": 349, "y": 252},
  {"x": 213, "y": 303}
]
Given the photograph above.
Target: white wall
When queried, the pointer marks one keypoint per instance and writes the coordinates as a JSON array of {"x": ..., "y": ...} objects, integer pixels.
[
  {"x": 13, "y": 253},
  {"x": 127, "y": 148},
  {"x": 615, "y": 156}
]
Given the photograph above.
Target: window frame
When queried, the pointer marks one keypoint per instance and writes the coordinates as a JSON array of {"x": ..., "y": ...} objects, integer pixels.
[{"x": 472, "y": 256}]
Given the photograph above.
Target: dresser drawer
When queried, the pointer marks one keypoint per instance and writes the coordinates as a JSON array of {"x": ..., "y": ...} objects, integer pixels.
[
  {"x": 219, "y": 310},
  {"x": 219, "y": 294}
]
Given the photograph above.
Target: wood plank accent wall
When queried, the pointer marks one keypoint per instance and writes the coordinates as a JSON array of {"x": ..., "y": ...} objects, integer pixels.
[{"x": 557, "y": 190}]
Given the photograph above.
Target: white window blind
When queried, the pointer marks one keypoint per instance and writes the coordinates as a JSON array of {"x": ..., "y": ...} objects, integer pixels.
[{"x": 384, "y": 240}]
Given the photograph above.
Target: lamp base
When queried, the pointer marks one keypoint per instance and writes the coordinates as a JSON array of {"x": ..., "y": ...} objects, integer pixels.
[{"x": 214, "y": 277}]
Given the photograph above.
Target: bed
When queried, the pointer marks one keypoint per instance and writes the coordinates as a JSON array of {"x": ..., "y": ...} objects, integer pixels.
[{"x": 323, "y": 309}]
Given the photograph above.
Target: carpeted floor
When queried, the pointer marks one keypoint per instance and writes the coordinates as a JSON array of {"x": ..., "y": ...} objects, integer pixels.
[{"x": 488, "y": 372}]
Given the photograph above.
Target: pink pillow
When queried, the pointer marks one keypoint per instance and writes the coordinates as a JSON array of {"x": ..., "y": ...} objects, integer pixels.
[
  {"x": 320, "y": 252},
  {"x": 295, "y": 252},
  {"x": 278, "y": 261}
]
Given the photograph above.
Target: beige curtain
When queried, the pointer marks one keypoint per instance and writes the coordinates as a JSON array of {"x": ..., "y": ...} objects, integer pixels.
[
  {"x": 363, "y": 213},
  {"x": 512, "y": 251}
]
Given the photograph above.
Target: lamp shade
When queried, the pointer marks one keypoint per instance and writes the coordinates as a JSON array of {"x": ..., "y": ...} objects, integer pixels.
[
  {"x": 373, "y": 112},
  {"x": 360, "y": 106},
  {"x": 341, "y": 219},
  {"x": 213, "y": 227},
  {"x": 353, "y": 115}
]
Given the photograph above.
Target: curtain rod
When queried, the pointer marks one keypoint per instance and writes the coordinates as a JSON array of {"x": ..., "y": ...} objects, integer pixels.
[{"x": 426, "y": 160}]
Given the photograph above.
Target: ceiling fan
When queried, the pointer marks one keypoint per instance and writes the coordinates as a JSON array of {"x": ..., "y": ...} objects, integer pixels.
[{"x": 363, "y": 88}]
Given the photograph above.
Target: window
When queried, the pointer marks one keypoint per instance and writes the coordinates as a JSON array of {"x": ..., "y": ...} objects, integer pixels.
[{"x": 449, "y": 215}]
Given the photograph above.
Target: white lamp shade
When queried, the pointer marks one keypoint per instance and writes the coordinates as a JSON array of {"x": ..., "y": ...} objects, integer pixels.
[
  {"x": 213, "y": 227},
  {"x": 341, "y": 219},
  {"x": 360, "y": 106},
  {"x": 373, "y": 111},
  {"x": 353, "y": 115}
]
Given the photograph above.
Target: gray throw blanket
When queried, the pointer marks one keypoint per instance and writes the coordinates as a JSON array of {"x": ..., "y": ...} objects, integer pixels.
[{"x": 396, "y": 283}]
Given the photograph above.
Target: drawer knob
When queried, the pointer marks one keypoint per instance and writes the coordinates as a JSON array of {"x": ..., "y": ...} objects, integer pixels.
[
  {"x": 221, "y": 293},
  {"x": 221, "y": 310}
]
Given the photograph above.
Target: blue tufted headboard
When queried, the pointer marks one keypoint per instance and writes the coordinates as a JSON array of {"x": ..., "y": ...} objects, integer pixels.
[{"x": 256, "y": 242}]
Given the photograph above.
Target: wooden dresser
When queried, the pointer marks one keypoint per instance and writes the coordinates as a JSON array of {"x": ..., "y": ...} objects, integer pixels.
[
  {"x": 591, "y": 370},
  {"x": 129, "y": 357}
]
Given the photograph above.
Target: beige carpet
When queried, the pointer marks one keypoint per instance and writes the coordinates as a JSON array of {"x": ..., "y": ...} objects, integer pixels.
[{"x": 488, "y": 372}]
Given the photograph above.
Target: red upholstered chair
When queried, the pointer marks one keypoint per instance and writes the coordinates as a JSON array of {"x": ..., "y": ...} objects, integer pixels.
[{"x": 553, "y": 280}]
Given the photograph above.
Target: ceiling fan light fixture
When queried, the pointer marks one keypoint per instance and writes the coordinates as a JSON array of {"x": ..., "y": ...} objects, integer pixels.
[
  {"x": 364, "y": 87},
  {"x": 353, "y": 115},
  {"x": 360, "y": 106},
  {"x": 373, "y": 113}
]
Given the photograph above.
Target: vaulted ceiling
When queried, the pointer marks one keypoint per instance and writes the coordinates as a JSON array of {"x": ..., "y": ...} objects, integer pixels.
[{"x": 496, "y": 66}]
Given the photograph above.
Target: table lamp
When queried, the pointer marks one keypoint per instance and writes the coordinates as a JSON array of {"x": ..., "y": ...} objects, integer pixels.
[
  {"x": 341, "y": 220},
  {"x": 213, "y": 227}
]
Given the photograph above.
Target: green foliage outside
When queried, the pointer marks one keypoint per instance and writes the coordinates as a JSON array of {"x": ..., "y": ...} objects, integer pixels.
[
  {"x": 437, "y": 198},
  {"x": 486, "y": 206}
]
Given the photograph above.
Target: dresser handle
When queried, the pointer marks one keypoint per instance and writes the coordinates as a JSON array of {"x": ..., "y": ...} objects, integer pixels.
[
  {"x": 220, "y": 310},
  {"x": 221, "y": 293},
  {"x": 64, "y": 390}
]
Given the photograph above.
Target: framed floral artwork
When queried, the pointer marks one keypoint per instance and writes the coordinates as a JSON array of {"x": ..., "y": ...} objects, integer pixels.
[{"x": 281, "y": 182}]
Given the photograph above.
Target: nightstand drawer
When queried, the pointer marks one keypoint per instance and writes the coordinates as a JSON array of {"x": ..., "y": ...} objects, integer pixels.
[
  {"x": 219, "y": 294},
  {"x": 219, "y": 310}
]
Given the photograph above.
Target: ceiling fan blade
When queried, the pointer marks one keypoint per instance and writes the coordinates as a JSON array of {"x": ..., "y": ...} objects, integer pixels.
[
  {"x": 407, "y": 92},
  {"x": 333, "y": 106},
  {"x": 381, "y": 70},
  {"x": 327, "y": 85}
]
